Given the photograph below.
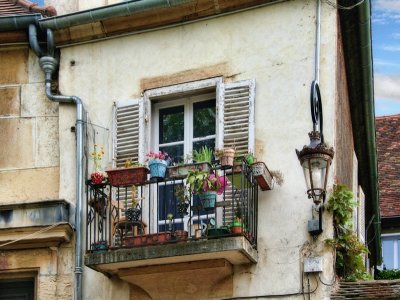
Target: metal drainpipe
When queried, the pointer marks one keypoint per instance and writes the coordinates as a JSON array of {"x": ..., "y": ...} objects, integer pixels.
[{"x": 49, "y": 65}]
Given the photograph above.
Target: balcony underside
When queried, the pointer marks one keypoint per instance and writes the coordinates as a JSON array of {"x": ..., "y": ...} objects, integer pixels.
[{"x": 235, "y": 250}]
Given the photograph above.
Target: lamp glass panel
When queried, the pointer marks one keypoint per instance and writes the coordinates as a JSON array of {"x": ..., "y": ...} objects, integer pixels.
[{"x": 316, "y": 178}]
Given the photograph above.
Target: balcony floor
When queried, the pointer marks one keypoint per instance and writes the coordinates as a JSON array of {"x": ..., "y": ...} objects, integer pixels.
[{"x": 236, "y": 250}]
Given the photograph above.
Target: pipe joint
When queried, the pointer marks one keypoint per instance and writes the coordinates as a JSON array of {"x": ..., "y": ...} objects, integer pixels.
[{"x": 48, "y": 64}]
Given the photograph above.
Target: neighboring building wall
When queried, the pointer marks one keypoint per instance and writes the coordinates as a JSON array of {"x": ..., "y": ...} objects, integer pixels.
[
  {"x": 29, "y": 158},
  {"x": 274, "y": 45},
  {"x": 345, "y": 160},
  {"x": 29, "y": 168},
  {"x": 388, "y": 144}
]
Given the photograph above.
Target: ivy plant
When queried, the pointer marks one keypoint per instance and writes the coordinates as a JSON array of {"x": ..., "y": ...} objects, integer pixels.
[{"x": 350, "y": 251}]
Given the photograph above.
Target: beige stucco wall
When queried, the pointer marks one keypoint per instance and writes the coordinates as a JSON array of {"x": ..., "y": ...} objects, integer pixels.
[{"x": 275, "y": 46}]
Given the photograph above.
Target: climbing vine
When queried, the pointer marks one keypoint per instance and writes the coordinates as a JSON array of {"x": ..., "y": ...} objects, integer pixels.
[{"x": 350, "y": 251}]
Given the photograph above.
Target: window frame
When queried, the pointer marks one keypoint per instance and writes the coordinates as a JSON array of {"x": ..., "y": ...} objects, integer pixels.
[
  {"x": 187, "y": 102},
  {"x": 163, "y": 94},
  {"x": 395, "y": 237}
]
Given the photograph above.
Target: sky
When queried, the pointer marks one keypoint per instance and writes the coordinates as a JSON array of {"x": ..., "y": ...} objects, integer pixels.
[{"x": 386, "y": 53}]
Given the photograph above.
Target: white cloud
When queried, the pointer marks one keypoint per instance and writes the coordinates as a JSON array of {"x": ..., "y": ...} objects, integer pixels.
[
  {"x": 391, "y": 48},
  {"x": 385, "y": 63},
  {"x": 396, "y": 35},
  {"x": 387, "y": 86},
  {"x": 387, "y": 5},
  {"x": 386, "y": 11}
]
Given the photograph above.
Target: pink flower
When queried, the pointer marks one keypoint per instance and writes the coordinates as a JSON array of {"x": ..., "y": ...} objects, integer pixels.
[{"x": 218, "y": 184}]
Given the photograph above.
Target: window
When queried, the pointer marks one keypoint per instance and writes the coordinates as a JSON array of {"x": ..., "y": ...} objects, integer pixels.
[
  {"x": 17, "y": 289},
  {"x": 181, "y": 118},
  {"x": 391, "y": 251},
  {"x": 185, "y": 125}
]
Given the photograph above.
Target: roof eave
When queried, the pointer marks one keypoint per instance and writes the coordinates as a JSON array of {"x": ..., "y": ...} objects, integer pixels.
[{"x": 356, "y": 32}]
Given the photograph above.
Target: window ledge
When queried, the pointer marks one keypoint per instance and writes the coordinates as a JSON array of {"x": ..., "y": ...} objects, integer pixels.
[{"x": 50, "y": 238}]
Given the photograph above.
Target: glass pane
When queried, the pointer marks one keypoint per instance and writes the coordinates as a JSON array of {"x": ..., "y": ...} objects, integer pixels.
[
  {"x": 171, "y": 125},
  {"x": 174, "y": 152},
  {"x": 209, "y": 143},
  {"x": 204, "y": 118},
  {"x": 165, "y": 201},
  {"x": 388, "y": 253}
]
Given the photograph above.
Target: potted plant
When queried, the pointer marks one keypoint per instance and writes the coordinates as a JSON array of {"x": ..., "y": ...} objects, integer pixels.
[
  {"x": 240, "y": 171},
  {"x": 157, "y": 162},
  {"x": 263, "y": 176},
  {"x": 97, "y": 177},
  {"x": 182, "y": 200},
  {"x": 133, "y": 213},
  {"x": 237, "y": 225},
  {"x": 100, "y": 246},
  {"x": 202, "y": 161},
  {"x": 131, "y": 174},
  {"x": 226, "y": 156},
  {"x": 206, "y": 186}
]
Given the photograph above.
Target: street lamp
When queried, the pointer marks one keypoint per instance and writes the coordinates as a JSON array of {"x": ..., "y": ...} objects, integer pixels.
[{"x": 315, "y": 160}]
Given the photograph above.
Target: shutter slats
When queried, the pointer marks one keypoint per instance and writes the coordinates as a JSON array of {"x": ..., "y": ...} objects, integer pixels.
[
  {"x": 127, "y": 134},
  {"x": 237, "y": 115}
]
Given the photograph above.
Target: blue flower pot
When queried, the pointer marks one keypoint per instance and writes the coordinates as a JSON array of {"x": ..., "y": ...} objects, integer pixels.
[
  {"x": 208, "y": 200},
  {"x": 157, "y": 168}
]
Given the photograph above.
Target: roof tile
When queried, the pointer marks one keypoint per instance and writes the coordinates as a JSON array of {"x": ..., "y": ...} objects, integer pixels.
[
  {"x": 23, "y": 7},
  {"x": 388, "y": 146}
]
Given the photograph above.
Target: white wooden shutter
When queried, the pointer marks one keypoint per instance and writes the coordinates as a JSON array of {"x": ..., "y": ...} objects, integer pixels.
[
  {"x": 237, "y": 113},
  {"x": 236, "y": 125},
  {"x": 361, "y": 214},
  {"x": 128, "y": 122},
  {"x": 128, "y": 137}
]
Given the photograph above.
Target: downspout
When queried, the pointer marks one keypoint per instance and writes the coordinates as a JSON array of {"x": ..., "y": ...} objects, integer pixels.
[{"x": 49, "y": 65}]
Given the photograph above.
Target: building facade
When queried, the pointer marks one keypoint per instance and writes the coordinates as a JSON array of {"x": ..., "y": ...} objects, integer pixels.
[{"x": 140, "y": 76}]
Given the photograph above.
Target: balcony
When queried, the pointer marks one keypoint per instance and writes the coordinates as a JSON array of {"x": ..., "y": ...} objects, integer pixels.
[{"x": 165, "y": 234}]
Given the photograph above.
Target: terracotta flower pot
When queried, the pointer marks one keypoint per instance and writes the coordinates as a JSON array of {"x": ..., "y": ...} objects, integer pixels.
[
  {"x": 227, "y": 157},
  {"x": 127, "y": 176}
]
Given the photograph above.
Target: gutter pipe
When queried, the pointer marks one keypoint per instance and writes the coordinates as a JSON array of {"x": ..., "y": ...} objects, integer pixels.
[
  {"x": 369, "y": 117},
  {"x": 49, "y": 65},
  {"x": 102, "y": 13},
  {"x": 18, "y": 22}
]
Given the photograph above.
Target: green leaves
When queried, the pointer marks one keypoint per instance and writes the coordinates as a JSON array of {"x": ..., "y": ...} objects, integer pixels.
[
  {"x": 350, "y": 251},
  {"x": 205, "y": 154}
]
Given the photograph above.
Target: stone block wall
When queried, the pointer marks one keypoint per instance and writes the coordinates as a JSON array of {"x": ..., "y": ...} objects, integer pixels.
[{"x": 29, "y": 153}]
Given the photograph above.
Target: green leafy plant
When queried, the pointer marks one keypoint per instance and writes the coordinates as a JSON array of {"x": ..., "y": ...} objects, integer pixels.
[
  {"x": 205, "y": 154},
  {"x": 199, "y": 181},
  {"x": 387, "y": 274},
  {"x": 350, "y": 251}
]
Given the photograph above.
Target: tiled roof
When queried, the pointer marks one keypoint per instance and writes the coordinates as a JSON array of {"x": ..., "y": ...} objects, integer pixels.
[
  {"x": 23, "y": 7},
  {"x": 378, "y": 289},
  {"x": 388, "y": 144}
]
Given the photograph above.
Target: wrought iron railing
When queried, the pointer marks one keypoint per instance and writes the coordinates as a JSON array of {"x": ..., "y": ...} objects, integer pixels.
[{"x": 159, "y": 216}]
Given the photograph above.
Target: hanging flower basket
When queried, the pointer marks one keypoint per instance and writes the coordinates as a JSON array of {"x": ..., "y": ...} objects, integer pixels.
[
  {"x": 157, "y": 168},
  {"x": 263, "y": 176},
  {"x": 97, "y": 177},
  {"x": 127, "y": 176}
]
